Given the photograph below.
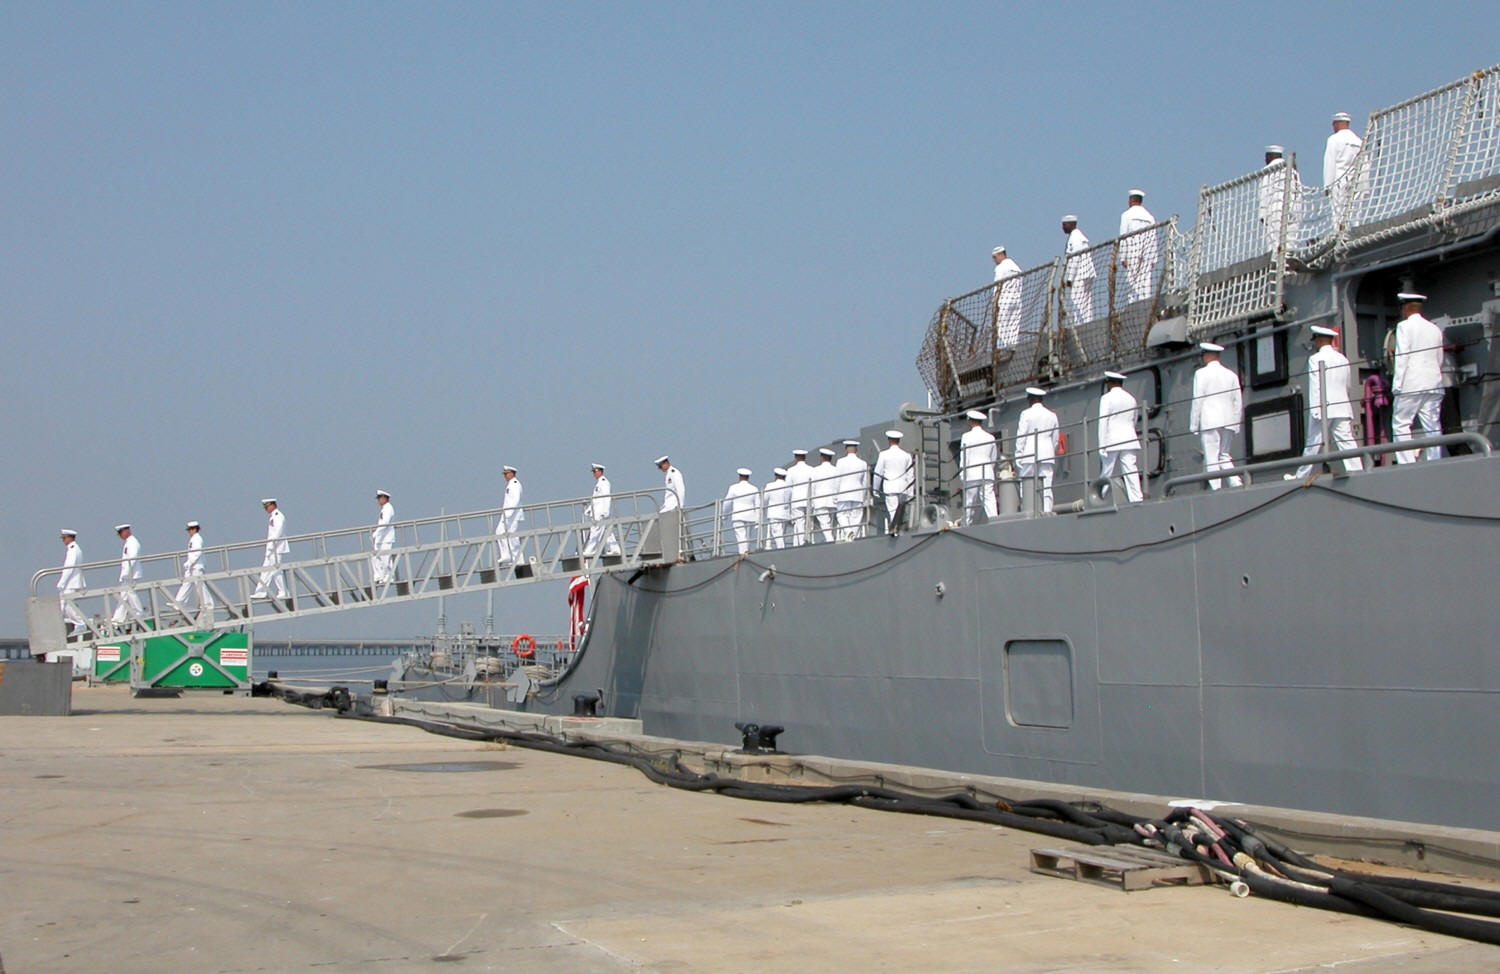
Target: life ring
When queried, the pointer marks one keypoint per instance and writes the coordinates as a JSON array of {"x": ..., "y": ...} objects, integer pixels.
[{"x": 526, "y": 652}]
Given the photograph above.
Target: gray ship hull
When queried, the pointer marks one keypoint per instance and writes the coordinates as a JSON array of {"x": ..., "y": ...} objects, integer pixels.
[{"x": 1277, "y": 645}]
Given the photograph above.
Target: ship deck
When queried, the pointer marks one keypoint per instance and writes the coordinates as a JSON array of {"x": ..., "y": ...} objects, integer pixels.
[{"x": 215, "y": 833}]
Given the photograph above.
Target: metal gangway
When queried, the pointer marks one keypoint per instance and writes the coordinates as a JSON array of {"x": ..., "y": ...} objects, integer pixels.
[{"x": 340, "y": 570}]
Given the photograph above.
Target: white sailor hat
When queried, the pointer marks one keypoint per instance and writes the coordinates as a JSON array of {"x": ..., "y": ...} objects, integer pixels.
[
  {"x": 68, "y": 533},
  {"x": 660, "y": 460},
  {"x": 190, "y": 525},
  {"x": 744, "y": 471},
  {"x": 1406, "y": 296},
  {"x": 1275, "y": 150},
  {"x": 383, "y": 493},
  {"x": 976, "y": 415},
  {"x": 894, "y": 434},
  {"x": 508, "y": 469},
  {"x": 121, "y": 527},
  {"x": 1325, "y": 332},
  {"x": 596, "y": 466},
  {"x": 851, "y": 442},
  {"x": 997, "y": 250},
  {"x": 1137, "y": 192},
  {"x": 826, "y": 451},
  {"x": 267, "y": 500},
  {"x": 1070, "y": 218},
  {"x": 799, "y": 452},
  {"x": 1034, "y": 391},
  {"x": 1115, "y": 376},
  {"x": 779, "y": 471},
  {"x": 1342, "y": 117},
  {"x": 1211, "y": 347}
]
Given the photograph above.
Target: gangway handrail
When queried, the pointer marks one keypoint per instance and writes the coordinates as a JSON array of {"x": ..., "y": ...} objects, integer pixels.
[{"x": 1474, "y": 440}]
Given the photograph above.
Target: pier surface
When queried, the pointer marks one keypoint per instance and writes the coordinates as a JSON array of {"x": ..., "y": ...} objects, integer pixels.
[{"x": 229, "y": 834}]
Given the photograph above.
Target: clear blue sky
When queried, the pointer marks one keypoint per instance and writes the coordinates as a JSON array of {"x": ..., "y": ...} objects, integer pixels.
[{"x": 309, "y": 249}]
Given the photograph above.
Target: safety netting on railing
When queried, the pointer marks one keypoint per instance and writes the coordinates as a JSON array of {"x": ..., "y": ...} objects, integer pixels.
[
  {"x": 1122, "y": 301},
  {"x": 1474, "y": 175},
  {"x": 1239, "y": 245}
]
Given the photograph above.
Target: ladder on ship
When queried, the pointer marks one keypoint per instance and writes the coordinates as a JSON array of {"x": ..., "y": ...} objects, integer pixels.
[{"x": 337, "y": 571}]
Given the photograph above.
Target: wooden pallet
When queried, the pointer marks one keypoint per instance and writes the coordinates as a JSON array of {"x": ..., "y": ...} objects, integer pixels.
[{"x": 1131, "y": 867}]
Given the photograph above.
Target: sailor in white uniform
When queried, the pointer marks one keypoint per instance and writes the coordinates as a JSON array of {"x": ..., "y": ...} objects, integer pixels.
[
  {"x": 674, "y": 489},
  {"x": 1036, "y": 448},
  {"x": 598, "y": 511},
  {"x": 192, "y": 574},
  {"x": 854, "y": 492},
  {"x": 276, "y": 546},
  {"x": 507, "y": 546},
  {"x": 978, "y": 455},
  {"x": 1139, "y": 252},
  {"x": 895, "y": 479},
  {"x": 1078, "y": 274},
  {"x": 1119, "y": 446},
  {"x": 1279, "y": 201},
  {"x": 742, "y": 504},
  {"x": 1327, "y": 388},
  {"x": 1344, "y": 173},
  {"x": 824, "y": 496},
  {"x": 799, "y": 497},
  {"x": 383, "y": 539},
  {"x": 1216, "y": 411},
  {"x": 71, "y": 580},
  {"x": 1007, "y": 299},
  {"x": 1418, "y": 381},
  {"x": 128, "y": 604},
  {"x": 776, "y": 497}
]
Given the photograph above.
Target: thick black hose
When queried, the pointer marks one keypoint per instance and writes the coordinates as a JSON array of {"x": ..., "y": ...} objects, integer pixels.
[{"x": 1454, "y": 926}]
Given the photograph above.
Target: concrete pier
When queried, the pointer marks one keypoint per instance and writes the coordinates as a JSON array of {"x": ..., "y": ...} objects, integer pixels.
[{"x": 228, "y": 834}]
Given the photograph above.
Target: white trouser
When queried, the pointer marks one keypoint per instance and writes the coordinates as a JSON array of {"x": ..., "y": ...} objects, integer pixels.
[
  {"x": 777, "y": 529},
  {"x": 825, "y": 522},
  {"x": 70, "y": 612},
  {"x": 1423, "y": 406},
  {"x": 1034, "y": 476},
  {"x": 1339, "y": 433},
  {"x": 506, "y": 546},
  {"x": 1216, "y": 444},
  {"x": 798, "y": 527},
  {"x": 192, "y": 584},
  {"x": 271, "y": 563},
  {"x": 744, "y": 535},
  {"x": 1126, "y": 461},
  {"x": 599, "y": 534},
  {"x": 1081, "y": 302},
  {"x": 127, "y": 604},
  {"x": 382, "y": 566},
  {"x": 1008, "y": 319},
  {"x": 851, "y": 515},
  {"x": 979, "y": 494},
  {"x": 893, "y": 504}
]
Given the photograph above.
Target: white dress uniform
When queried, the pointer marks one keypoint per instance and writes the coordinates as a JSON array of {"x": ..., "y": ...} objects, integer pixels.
[
  {"x": 895, "y": 479},
  {"x": 507, "y": 546},
  {"x": 1329, "y": 364},
  {"x": 599, "y": 507},
  {"x": 276, "y": 546},
  {"x": 674, "y": 492},
  {"x": 1036, "y": 450},
  {"x": 383, "y": 539},
  {"x": 1418, "y": 384},
  {"x": 1215, "y": 417},
  {"x": 1078, "y": 278},
  {"x": 824, "y": 499},
  {"x": 742, "y": 504},
  {"x": 1138, "y": 254},
  {"x": 1119, "y": 446},
  {"x": 128, "y": 604},
  {"x": 778, "y": 511},
  {"x": 71, "y": 580},
  {"x": 192, "y": 576},
  {"x": 978, "y": 455},
  {"x": 1344, "y": 185},
  {"x": 1007, "y": 303},
  {"x": 799, "y": 497},
  {"x": 854, "y": 489},
  {"x": 1278, "y": 202}
]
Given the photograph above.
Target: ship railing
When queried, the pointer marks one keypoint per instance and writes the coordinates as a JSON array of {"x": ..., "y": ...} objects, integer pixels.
[
  {"x": 709, "y": 529},
  {"x": 338, "y": 570},
  {"x": 1109, "y": 295},
  {"x": 1248, "y": 471},
  {"x": 1239, "y": 250}
]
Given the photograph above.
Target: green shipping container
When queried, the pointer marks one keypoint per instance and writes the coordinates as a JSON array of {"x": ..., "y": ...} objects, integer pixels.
[
  {"x": 193, "y": 661},
  {"x": 112, "y": 663}
]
